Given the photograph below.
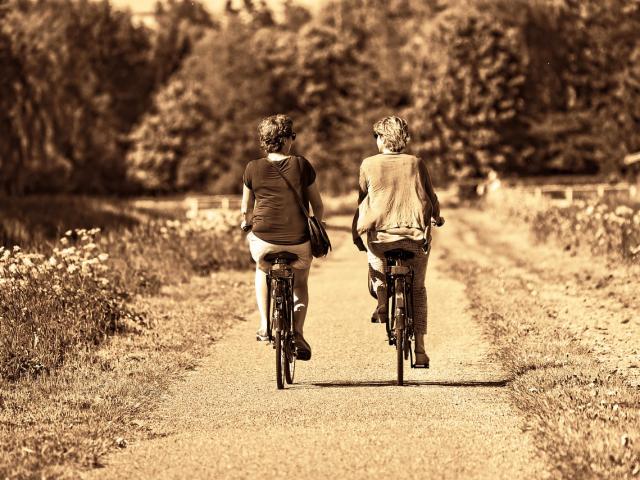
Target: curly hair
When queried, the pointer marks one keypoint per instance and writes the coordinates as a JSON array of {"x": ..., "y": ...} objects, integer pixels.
[
  {"x": 273, "y": 131},
  {"x": 394, "y": 132}
]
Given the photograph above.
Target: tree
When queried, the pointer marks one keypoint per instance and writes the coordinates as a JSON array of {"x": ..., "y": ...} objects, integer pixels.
[
  {"x": 470, "y": 65},
  {"x": 172, "y": 147}
]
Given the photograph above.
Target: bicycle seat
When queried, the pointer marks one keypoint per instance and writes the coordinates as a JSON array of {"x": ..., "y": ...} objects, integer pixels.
[
  {"x": 287, "y": 257},
  {"x": 398, "y": 254}
]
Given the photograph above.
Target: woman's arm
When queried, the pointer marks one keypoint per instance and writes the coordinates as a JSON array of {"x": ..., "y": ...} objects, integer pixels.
[
  {"x": 246, "y": 207},
  {"x": 362, "y": 194},
  {"x": 431, "y": 193},
  {"x": 313, "y": 194}
]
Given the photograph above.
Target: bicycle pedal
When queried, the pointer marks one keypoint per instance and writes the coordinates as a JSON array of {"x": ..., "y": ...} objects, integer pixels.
[{"x": 419, "y": 366}]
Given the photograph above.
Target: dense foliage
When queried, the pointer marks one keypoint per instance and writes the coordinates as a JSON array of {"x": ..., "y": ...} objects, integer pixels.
[
  {"x": 91, "y": 101},
  {"x": 76, "y": 76}
]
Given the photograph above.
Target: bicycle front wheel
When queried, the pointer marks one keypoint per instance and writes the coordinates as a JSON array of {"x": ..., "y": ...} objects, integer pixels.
[{"x": 400, "y": 346}]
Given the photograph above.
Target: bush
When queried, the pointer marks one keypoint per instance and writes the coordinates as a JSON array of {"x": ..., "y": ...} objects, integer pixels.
[{"x": 54, "y": 304}]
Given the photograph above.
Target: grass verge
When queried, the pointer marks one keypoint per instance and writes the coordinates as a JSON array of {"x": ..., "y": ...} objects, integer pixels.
[
  {"x": 54, "y": 426},
  {"x": 585, "y": 417}
]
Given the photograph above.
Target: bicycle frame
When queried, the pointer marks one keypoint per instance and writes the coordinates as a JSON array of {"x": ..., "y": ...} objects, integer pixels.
[
  {"x": 280, "y": 319},
  {"x": 399, "y": 280},
  {"x": 279, "y": 289}
]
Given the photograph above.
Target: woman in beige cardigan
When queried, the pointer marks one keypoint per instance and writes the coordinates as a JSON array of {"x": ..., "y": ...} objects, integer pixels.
[{"x": 396, "y": 204}]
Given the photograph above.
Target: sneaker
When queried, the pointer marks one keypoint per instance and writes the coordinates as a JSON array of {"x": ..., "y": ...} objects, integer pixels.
[
  {"x": 303, "y": 349},
  {"x": 422, "y": 360},
  {"x": 379, "y": 315},
  {"x": 262, "y": 336}
]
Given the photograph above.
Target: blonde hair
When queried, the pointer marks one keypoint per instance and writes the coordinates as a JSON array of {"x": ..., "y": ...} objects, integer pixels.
[{"x": 394, "y": 132}]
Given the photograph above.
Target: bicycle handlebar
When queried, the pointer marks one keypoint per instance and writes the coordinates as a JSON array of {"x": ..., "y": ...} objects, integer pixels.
[
  {"x": 246, "y": 227},
  {"x": 438, "y": 223}
]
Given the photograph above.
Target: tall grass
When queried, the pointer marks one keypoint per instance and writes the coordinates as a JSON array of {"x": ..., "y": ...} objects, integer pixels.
[
  {"x": 70, "y": 294},
  {"x": 609, "y": 226}
]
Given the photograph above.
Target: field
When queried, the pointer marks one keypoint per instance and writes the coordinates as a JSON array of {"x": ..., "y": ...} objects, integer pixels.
[{"x": 99, "y": 323}]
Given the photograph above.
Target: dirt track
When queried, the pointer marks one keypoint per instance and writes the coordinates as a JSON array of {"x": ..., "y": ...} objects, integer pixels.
[{"x": 344, "y": 415}]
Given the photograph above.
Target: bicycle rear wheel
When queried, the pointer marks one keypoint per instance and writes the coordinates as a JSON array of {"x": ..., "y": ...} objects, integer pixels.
[
  {"x": 400, "y": 346},
  {"x": 279, "y": 360},
  {"x": 290, "y": 360}
]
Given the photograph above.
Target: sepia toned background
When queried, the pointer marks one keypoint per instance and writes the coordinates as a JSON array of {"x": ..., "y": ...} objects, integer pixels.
[{"x": 125, "y": 128}]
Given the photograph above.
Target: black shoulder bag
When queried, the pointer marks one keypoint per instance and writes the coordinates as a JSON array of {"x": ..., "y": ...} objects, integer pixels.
[{"x": 320, "y": 243}]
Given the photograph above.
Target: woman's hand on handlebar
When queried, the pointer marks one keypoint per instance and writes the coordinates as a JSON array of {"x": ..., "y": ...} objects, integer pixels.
[
  {"x": 246, "y": 226},
  {"x": 438, "y": 222}
]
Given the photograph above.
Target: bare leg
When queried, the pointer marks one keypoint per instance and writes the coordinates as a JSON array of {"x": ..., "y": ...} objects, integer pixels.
[
  {"x": 300, "y": 298},
  {"x": 261, "y": 297}
]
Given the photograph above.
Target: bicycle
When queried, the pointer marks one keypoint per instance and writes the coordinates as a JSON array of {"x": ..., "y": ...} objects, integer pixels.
[
  {"x": 399, "y": 323},
  {"x": 280, "y": 304}
]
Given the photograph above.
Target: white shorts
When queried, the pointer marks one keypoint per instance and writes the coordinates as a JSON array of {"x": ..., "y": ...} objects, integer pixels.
[{"x": 259, "y": 249}]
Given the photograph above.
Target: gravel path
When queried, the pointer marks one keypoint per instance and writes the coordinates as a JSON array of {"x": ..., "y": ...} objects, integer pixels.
[{"x": 344, "y": 416}]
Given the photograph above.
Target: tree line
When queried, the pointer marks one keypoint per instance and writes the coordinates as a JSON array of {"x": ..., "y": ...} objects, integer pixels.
[{"x": 92, "y": 102}]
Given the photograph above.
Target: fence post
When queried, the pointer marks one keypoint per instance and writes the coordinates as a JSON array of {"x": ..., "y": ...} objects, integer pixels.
[
  {"x": 633, "y": 191},
  {"x": 600, "y": 190},
  {"x": 538, "y": 193},
  {"x": 568, "y": 194},
  {"x": 192, "y": 207},
  {"x": 225, "y": 203}
]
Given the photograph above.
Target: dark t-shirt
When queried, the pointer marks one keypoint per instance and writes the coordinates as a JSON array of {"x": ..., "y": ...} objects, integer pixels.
[{"x": 277, "y": 217}]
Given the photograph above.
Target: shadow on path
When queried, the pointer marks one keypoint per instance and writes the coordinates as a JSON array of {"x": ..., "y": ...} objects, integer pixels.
[{"x": 502, "y": 382}]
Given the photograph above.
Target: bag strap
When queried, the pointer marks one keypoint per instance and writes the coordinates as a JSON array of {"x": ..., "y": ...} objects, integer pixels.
[{"x": 297, "y": 195}]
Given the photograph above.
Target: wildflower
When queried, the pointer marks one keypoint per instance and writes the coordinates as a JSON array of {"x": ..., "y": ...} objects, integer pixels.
[
  {"x": 623, "y": 211},
  {"x": 72, "y": 268},
  {"x": 91, "y": 246},
  {"x": 68, "y": 233},
  {"x": 16, "y": 249},
  {"x": 53, "y": 262},
  {"x": 103, "y": 257}
]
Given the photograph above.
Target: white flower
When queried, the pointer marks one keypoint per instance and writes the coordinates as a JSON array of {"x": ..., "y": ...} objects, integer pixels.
[
  {"x": 72, "y": 268},
  {"x": 103, "y": 257},
  {"x": 623, "y": 211}
]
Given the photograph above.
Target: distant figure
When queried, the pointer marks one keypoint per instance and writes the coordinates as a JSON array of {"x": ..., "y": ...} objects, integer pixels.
[
  {"x": 277, "y": 222},
  {"x": 396, "y": 204},
  {"x": 490, "y": 185}
]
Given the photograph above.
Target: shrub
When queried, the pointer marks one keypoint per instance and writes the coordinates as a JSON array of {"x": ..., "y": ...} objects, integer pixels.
[{"x": 54, "y": 304}]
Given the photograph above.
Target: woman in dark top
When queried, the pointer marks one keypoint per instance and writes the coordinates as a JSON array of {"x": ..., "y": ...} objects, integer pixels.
[{"x": 277, "y": 222}]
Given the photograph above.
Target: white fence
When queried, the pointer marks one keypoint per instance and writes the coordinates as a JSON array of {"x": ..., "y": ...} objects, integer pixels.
[
  {"x": 198, "y": 205},
  {"x": 568, "y": 193}
]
